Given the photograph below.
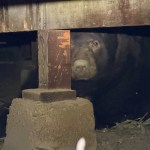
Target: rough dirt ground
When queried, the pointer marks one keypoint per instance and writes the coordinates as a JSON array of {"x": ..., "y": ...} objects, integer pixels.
[{"x": 128, "y": 135}]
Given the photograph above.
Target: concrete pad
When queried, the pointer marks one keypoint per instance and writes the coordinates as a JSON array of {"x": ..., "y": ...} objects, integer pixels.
[
  {"x": 49, "y": 94},
  {"x": 37, "y": 125}
]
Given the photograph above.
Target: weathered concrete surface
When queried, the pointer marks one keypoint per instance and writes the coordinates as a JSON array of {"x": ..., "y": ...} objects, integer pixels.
[
  {"x": 56, "y": 125},
  {"x": 49, "y": 95}
]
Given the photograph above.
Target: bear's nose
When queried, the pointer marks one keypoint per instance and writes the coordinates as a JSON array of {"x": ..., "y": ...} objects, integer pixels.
[{"x": 81, "y": 65}]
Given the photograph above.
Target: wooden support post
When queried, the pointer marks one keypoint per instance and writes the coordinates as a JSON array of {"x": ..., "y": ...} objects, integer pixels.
[{"x": 54, "y": 59}]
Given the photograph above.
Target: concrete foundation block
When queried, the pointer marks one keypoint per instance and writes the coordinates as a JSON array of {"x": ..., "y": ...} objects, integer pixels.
[
  {"x": 38, "y": 125},
  {"x": 49, "y": 94}
]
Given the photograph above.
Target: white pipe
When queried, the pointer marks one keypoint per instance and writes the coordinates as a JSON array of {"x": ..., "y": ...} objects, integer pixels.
[{"x": 81, "y": 144}]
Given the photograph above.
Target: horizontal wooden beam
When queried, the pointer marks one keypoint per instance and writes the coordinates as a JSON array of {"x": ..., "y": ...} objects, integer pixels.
[{"x": 69, "y": 14}]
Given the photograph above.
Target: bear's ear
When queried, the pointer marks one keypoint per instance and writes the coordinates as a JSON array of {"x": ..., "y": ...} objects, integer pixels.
[
  {"x": 122, "y": 48},
  {"x": 128, "y": 45}
]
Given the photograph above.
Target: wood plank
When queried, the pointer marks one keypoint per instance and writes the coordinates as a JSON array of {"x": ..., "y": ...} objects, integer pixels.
[
  {"x": 69, "y": 14},
  {"x": 54, "y": 59}
]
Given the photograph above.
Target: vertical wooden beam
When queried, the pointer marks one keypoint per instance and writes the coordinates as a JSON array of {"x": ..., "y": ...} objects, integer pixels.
[{"x": 54, "y": 59}]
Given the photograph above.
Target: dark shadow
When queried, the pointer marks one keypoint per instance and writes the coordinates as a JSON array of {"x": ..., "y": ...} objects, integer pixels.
[
  {"x": 18, "y": 69},
  {"x": 131, "y": 30},
  {"x": 24, "y": 2}
]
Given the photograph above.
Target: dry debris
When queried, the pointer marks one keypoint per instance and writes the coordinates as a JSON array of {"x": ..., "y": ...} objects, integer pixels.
[{"x": 128, "y": 135}]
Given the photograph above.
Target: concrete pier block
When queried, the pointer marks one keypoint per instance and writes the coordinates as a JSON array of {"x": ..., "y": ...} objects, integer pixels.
[{"x": 38, "y": 125}]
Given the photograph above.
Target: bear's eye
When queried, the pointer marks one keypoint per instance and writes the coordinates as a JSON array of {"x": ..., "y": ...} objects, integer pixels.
[{"x": 94, "y": 45}]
